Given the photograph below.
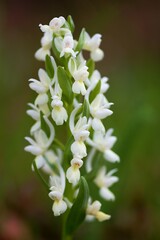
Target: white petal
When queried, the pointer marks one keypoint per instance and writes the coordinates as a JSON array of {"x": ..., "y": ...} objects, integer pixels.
[
  {"x": 34, "y": 114},
  {"x": 37, "y": 86},
  {"x": 40, "y": 161},
  {"x": 68, "y": 42},
  {"x": 55, "y": 194},
  {"x": 35, "y": 127},
  {"x": 72, "y": 66},
  {"x": 103, "y": 113},
  {"x": 44, "y": 78},
  {"x": 58, "y": 43},
  {"x": 94, "y": 208},
  {"x": 59, "y": 207},
  {"x": 76, "y": 162},
  {"x": 41, "y": 99},
  {"x": 59, "y": 115},
  {"x": 95, "y": 76},
  {"x": 79, "y": 87},
  {"x": 101, "y": 216},
  {"x": 41, "y": 53},
  {"x": 107, "y": 194},
  {"x": 41, "y": 138},
  {"x": 73, "y": 175},
  {"x": 111, "y": 156},
  {"x": 110, "y": 141},
  {"x": 46, "y": 40},
  {"x": 35, "y": 150},
  {"x": 95, "y": 41},
  {"x": 45, "y": 109},
  {"x": 109, "y": 181},
  {"x": 97, "y": 125},
  {"x": 97, "y": 55},
  {"x": 44, "y": 28},
  {"x": 81, "y": 135},
  {"x": 57, "y": 23},
  {"x": 79, "y": 149}
]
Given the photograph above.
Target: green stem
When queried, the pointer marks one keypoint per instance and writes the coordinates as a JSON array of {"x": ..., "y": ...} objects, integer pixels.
[
  {"x": 67, "y": 238},
  {"x": 40, "y": 176},
  {"x": 59, "y": 144},
  {"x": 64, "y": 236}
]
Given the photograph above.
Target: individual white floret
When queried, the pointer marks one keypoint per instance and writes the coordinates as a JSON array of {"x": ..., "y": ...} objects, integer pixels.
[
  {"x": 57, "y": 192},
  {"x": 65, "y": 45},
  {"x": 40, "y": 144},
  {"x": 80, "y": 74},
  {"x": 92, "y": 45},
  {"x": 46, "y": 41},
  {"x": 59, "y": 113},
  {"x": 99, "y": 107},
  {"x": 73, "y": 173},
  {"x": 80, "y": 133},
  {"x": 104, "y": 143},
  {"x": 96, "y": 76},
  {"x": 104, "y": 181},
  {"x": 41, "y": 86},
  {"x": 93, "y": 211}
]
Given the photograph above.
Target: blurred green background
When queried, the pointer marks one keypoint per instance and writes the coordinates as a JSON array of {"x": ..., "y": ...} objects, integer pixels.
[{"x": 131, "y": 40}]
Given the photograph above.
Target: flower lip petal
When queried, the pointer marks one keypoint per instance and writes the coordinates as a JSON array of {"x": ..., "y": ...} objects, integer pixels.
[{"x": 35, "y": 150}]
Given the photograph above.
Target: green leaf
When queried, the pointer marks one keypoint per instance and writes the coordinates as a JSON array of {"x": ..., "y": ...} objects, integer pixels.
[
  {"x": 49, "y": 66},
  {"x": 77, "y": 213},
  {"x": 86, "y": 111},
  {"x": 55, "y": 51},
  {"x": 71, "y": 23},
  {"x": 65, "y": 84},
  {"x": 95, "y": 91},
  {"x": 91, "y": 66},
  {"x": 81, "y": 41}
]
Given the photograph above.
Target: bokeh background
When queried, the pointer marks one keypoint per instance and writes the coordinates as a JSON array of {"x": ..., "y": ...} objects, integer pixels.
[{"x": 131, "y": 40}]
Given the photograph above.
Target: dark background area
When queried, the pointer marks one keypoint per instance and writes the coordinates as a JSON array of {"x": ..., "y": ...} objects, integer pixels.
[{"x": 130, "y": 41}]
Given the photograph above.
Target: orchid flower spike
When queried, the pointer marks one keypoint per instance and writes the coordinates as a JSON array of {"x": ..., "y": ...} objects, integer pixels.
[{"x": 69, "y": 141}]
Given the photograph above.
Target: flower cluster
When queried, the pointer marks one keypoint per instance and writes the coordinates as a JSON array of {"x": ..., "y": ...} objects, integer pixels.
[{"x": 68, "y": 137}]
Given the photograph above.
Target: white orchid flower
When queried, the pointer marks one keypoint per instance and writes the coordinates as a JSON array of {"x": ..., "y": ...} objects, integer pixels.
[
  {"x": 104, "y": 181},
  {"x": 93, "y": 211},
  {"x": 41, "y": 86},
  {"x": 80, "y": 133},
  {"x": 56, "y": 194},
  {"x": 104, "y": 143},
  {"x": 59, "y": 113},
  {"x": 80, "y": 74},
  {"x": 41, "y": 143},
  {"x": 99, "y": 107},
  {"x": 95, "y": 77},
  {"x": 65, "y": 45},
  {"x": 92, "y": 45},
  {"x": 73, "y": 173},
  {"x": 54, "y": 26}
]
